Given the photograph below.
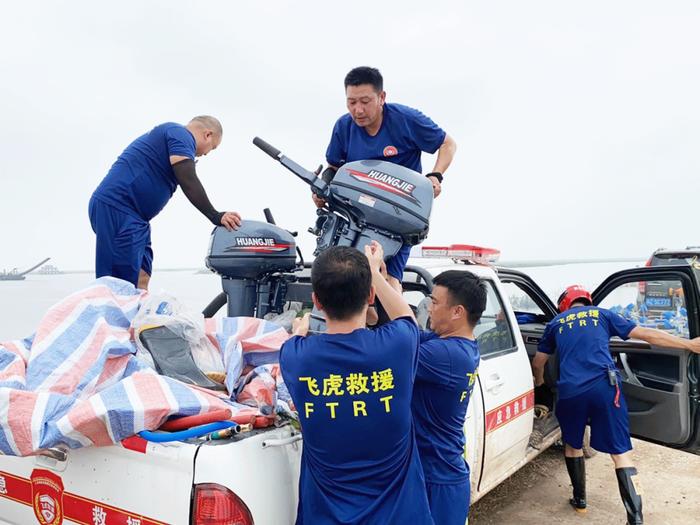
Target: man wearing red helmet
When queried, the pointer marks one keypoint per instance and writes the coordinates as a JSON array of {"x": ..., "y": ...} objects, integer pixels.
[{"x": 588, "y": 388}]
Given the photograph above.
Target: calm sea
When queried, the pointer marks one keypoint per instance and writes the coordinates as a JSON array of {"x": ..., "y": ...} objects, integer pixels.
[{"x": 23, "y": 303}]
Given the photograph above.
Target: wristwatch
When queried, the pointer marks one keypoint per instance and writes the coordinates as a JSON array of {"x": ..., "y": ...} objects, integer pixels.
[{"x": 437, "y": 175}]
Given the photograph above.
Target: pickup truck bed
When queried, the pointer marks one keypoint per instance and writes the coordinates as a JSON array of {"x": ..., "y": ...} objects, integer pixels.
[{"x": 141, "y": 483}]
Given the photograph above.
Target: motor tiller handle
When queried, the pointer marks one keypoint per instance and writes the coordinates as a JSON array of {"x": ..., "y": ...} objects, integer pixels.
[
  {"x": 318, "y": 185},
  {"x": 267, "y": 148},
  {"x": 268, "y": 216}
]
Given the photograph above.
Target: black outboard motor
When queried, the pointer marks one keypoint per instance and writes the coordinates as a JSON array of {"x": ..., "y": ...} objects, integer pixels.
[
  {"x": 367, "y": 200},
  {"x": 251, "y": 262}
]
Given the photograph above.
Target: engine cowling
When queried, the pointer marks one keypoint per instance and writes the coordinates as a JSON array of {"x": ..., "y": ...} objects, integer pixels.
[
  {"x": 387, "y": 197},
  {"x": 253, "y": 250}
]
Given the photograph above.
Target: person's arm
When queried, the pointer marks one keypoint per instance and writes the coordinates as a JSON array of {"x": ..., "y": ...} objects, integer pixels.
[
  {"x": 186, "y": 176},
  {"x": 300, "y": 326},
  {"x": 445, "y": 155},
  {"x": 545, "y": 348},
  {"x": 538, "y": 363},
  {"x": 663, "y": 339},
  {"x": 392, "y": 300},
  {"x": 327, "y": 177},
  {"x": 336, "y": 155}
]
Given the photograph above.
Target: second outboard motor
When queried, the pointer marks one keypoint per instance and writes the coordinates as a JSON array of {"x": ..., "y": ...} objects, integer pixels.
[{"x": 249, "y": 260}]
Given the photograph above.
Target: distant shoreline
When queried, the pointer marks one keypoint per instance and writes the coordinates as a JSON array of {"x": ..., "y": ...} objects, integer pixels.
[
  {"x": 64, "y": 272},
  {"x": 513, "y": 263}
]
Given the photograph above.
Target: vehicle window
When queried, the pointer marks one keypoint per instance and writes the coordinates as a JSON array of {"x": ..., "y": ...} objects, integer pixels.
[
  {"x": 418, "y": 299},
  {"x": 493, "y": 332},
  {"x": 519, "y": 300},
  {"x": 652, "y": 304},
  {"x": 413, "y": 297},
  {"x": 672, "y": 260}
]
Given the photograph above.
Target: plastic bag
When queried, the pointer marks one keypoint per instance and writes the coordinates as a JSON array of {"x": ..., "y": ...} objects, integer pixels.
[
  {"x": 286, "y": 318},
  {"x": 165, "y": 310}
]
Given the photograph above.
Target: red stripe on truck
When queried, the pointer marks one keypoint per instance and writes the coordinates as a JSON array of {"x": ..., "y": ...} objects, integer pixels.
[
  {"x": 72, "y": 507},
  {"x": 508, "y": 411},
  {"x": 15, "y": 488}
]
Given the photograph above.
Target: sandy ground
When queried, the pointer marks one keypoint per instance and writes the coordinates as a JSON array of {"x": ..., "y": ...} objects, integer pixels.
[{"x": 538, "y": 493}]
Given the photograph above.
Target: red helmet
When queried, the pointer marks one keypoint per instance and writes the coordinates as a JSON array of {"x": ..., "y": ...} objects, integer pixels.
[{"x": 571, "y": 294}]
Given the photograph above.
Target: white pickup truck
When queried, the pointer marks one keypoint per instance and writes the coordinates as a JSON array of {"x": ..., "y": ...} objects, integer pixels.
[{"x": 252, "y": 478}]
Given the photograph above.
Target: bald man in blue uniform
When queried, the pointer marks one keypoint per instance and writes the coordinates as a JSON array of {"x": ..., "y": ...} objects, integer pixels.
[{"x": 137, "y": 187}]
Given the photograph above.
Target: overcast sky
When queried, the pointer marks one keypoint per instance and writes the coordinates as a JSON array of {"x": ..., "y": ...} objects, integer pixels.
[{"x": 578, "y": 123}]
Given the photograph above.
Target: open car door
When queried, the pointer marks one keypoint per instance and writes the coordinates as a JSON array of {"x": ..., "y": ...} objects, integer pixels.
[
  {"x": 660, "y": 385},
  {"x": 533, "y": 310}
]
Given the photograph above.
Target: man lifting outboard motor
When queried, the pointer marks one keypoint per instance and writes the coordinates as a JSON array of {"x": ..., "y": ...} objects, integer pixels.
[{"x": 366, "y": 200}]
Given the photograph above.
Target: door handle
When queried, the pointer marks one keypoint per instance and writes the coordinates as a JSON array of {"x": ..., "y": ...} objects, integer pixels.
[
  {"x": 494, "y": 383},
  {"x": 281, "y": 442},
  {"x": 631, "y": 378},
  {"x": 52, "y": 458}
]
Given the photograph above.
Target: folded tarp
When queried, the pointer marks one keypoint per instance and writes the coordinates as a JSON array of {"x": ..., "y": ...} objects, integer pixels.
[{"x": 77, "y": 381}]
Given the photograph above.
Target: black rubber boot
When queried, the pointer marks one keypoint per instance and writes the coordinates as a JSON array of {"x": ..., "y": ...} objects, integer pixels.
[
  {"x": 577, "y": 474},
  {"x": 632, "y": 500}
]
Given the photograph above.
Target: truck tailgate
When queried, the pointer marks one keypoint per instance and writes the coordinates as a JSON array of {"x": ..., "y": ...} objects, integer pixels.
[
  {"x": 145, "y": 484},
  {"x": 261, "y": 469}
]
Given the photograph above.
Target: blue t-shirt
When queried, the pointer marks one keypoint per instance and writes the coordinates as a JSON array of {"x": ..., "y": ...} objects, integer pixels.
[
  {"x": 360, "y": 462},
  {"x": 142, "y": 181},
  {"x": 405, "y": 133},
  {"x": 581, "y": 337},
  {"x": 447, "y": 371}
]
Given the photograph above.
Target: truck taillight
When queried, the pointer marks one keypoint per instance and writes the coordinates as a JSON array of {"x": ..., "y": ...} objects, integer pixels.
[{"x": 217, "y": 505}]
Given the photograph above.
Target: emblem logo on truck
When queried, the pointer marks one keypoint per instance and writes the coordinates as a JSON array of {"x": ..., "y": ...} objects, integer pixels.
[
  {"x": 257, "y": 245},
  {"x": 386, "y": 182},
  {"x": 47, "y": 496}
]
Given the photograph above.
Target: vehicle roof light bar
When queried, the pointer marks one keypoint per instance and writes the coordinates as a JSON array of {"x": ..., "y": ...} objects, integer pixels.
[{"x": 463, "y": 252}]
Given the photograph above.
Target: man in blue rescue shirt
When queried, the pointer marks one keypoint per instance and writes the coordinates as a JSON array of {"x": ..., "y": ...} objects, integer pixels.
[
  {"x": 589, "y": 390},
  {"x": 139, "y": 184},
  {"x": 448, "y": 361},
  {"x": 352, "y": 388},
  {"x": 377, "y": 130}
]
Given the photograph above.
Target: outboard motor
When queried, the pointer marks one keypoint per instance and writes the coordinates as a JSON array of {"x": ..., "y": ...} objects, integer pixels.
[
  {"x": 367, "y": 200},
  {"x": 251, "y": 262}
]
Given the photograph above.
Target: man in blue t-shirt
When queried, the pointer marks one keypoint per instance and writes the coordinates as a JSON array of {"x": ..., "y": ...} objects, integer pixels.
[
  {"x": 377, "y": 130},
  {"x": 352, "y": 388},
  {"x": 589, "y": 390},
  {"x": 448, "y": 362},
  {"x": 137, "y": 187}
]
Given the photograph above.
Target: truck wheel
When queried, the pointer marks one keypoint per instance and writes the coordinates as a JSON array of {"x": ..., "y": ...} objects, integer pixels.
[{"x": 588, "y": 451}]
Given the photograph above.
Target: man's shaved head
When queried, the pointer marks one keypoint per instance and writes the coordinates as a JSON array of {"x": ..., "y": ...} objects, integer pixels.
[
  {"x": 207, "y": 133},
  {"x": 208, "y": 122}
]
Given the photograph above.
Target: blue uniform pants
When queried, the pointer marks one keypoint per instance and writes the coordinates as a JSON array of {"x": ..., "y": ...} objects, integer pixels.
[
  {"x": 596, "y": 406},
  {"x": 449, "y": 504},
  {"x": 123, "y": 244}
]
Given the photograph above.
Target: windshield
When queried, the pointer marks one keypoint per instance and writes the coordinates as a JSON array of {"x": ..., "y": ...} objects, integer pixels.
[{"x": 674, "y": 259}]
